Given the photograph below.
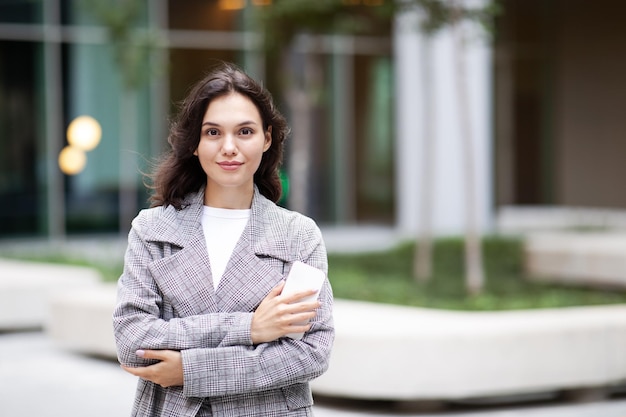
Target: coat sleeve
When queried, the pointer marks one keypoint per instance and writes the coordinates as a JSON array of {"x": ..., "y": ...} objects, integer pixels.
[
  {"x": 138, "y": 316},
  {"x": 229, "y": 370}
]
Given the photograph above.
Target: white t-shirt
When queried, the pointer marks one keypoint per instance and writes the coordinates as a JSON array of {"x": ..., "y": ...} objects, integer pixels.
[{"x": 222, "y": 229}]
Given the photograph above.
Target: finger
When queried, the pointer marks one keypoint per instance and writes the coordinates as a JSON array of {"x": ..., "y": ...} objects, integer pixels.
[
  {"x": 144, "y": 372},
  {"x": 127, "y": 369},
  {"x": 300, "y": 328},
  {"x": 303, "y": 306},
  {"x": 151, "y": 354},
  {"x": 301, "y": 318},
  {"x": 292, "y": 298},
  {"x": 278, "y": 288},
  {"x": 135, "y": 371}
]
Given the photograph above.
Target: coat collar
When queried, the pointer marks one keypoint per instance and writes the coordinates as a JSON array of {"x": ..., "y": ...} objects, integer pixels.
[{"x": 265, "y": 230}]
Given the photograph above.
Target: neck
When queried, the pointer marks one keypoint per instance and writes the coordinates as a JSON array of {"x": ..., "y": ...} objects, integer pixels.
[{"x": 228, "y": 198}]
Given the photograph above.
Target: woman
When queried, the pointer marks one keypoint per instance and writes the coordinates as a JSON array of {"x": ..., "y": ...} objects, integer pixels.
[{"x": 200, "y": 316}]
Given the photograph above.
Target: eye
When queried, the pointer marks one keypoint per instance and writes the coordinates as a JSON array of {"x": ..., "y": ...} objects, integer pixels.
[
  {"x": 212, "y": 132},
  {"x": 246, "y": 131}
]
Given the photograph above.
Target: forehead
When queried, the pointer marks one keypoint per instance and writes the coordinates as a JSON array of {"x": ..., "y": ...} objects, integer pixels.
[{"x": 232, "y": 106}]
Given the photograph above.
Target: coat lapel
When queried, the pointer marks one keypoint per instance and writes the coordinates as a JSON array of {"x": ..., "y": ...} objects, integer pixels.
[
  {"x": 179, "y": 227},
  {"x": 246, "y": 280},
  {"x": 257, "y": 263},
  {"x": 185, "y": 277}
]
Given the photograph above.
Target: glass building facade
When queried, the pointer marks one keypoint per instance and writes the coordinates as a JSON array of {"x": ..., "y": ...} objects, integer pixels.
[{"x": 60, "y": 59}]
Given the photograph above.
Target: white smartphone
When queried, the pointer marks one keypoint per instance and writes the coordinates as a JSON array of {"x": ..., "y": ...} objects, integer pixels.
[{"x": 303, "y": 277}]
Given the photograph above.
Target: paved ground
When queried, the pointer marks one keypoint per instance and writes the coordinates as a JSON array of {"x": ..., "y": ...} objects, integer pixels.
[{"x": 39, "y": 379}]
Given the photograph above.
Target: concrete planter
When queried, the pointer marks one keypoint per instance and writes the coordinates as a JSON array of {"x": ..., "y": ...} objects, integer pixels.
[
  {"x": 588, "y": 259},
  {"x": 26, "y": 288},
  {"x": 403, "y": 353}
]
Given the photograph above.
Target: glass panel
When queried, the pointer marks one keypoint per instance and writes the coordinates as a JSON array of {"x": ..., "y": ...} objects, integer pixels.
[
  {"x": 19, "y": 129},
  {"x": 187, "y": 66},
  {"x": 351, "y": 127},
  {"x": 96, "y": 12},
  {"x": 201, "y": 15},
  {"x": 374, "y": 139},
  {"x": 20, "y": 11},
  {"x": 95, "y": 89}
]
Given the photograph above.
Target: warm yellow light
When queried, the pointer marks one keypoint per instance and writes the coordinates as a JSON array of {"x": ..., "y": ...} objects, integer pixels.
[
  {"x": 261, "y": 2},
  {"x": 232, "y": 4},
  {"x": 72, "y": 160},
  {"x": 84, "y": 133}
]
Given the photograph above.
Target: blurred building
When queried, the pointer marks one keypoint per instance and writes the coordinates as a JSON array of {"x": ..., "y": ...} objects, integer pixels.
[
  {"x": 57, "y": 62},
  {"x": 560, "y": 91},
  {"x": 545, "y": 99}
]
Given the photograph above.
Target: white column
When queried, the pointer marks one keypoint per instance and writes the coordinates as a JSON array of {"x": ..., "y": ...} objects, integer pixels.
[
  {"x": 407, "y": 45},
  {"x": 410, "y": 49}
]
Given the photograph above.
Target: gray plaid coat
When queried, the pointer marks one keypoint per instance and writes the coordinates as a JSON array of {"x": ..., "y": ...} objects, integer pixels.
[{"x": 166, "y": 300}]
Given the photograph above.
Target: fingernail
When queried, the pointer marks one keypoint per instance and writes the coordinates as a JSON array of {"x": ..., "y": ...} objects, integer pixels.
[{"x": 140, "y": 353}]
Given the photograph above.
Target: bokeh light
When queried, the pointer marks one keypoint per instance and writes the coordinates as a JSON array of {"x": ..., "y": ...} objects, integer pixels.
[
  {"x": 72, "y": 160},
  {"x": 84, "y": 132}
]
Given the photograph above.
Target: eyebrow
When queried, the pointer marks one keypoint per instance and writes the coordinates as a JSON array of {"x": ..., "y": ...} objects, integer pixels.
[{"x": 247, "y": 122}]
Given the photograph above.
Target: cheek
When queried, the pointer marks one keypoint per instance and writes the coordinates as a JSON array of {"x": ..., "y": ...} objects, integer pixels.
[
  {"x": 203, "y": 158},
  {"x": 260, "y": 154},
  {"x": 204, "y": 150}
]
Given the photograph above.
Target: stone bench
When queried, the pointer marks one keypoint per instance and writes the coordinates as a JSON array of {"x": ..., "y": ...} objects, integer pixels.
[
  {"x": 26, "y": 287},
  {"x": 525, "y": 219},
  {"x": 411, "y": 354},
  {"x": 81, "y": 320},
  {"x": 590, "y": 259},
  {"x": 403, "y": 353}
]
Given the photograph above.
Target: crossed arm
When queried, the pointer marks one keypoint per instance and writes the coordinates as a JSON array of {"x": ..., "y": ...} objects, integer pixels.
[{"x": 276, "y": 316}]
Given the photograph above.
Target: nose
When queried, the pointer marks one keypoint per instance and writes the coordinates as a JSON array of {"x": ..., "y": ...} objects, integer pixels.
[{"x": 229, "y": 145}]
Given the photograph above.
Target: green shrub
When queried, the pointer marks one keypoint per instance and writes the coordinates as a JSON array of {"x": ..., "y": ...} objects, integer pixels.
[{"x": 386, "y": 277}]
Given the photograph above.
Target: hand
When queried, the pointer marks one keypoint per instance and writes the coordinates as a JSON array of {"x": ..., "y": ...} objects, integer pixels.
[
  {"x": 166, "y": 373},
  {"x": 279, "y": 315}
]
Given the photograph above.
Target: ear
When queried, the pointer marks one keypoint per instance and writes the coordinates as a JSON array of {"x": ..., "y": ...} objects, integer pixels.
[
  {"x": 195, "y": 152},
  {"x": 268, "y": 139}
]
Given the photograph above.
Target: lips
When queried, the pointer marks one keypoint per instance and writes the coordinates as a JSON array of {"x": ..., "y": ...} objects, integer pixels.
[{"x": 230, "y": 165}]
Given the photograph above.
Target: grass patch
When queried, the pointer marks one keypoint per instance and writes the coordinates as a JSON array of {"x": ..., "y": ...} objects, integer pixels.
[{"x": 385, "y": 277}]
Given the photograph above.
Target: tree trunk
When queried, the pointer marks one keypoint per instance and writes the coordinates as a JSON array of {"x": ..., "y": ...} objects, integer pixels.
[
  {"x": 474, "y": 275},
  {"x": 423, "y": 258}
]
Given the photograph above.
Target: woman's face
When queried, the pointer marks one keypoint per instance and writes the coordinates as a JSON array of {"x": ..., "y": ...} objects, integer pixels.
[{"x": 232, "y": 142}]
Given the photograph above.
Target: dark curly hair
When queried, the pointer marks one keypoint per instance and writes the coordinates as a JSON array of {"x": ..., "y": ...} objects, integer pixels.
[{"x": 179, "y": 173}]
